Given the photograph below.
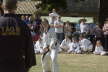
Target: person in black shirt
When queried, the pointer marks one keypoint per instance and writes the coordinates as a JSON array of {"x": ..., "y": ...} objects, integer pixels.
[{"x": 16, "y": 46}]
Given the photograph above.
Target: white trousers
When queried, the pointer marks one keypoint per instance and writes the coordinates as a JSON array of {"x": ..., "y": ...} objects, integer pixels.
[
  {"x": 89, "y": 48},
  {"x": 99, "y": 53},
  {"x": 49, "y": 62}
]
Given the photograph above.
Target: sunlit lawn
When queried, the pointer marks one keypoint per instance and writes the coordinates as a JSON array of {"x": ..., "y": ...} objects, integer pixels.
[{"x": 77, "y": 63}]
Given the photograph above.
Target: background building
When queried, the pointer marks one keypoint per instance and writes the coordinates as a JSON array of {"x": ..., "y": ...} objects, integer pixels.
[
  {"x": 82, "y": 7},
  {"x": 74, "y": 7}
]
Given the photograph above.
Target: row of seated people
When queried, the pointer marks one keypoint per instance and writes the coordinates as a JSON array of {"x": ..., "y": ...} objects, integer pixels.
[{"x": 74, "y": 45}]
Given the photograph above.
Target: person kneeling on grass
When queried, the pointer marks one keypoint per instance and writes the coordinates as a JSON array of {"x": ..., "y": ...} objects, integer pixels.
[
  {"x": 85, "y": 44},
  {"x": 65, "y": 43},
  {"x": 99, "y": 49},
  {"x": 38, "y": 47},
  {"x": 74, "y": 46}
]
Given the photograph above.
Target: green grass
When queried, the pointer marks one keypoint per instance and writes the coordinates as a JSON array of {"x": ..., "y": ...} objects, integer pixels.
[{"x": 77, "y": 63}]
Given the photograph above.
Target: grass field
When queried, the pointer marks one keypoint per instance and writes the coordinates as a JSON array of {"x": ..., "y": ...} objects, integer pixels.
[{"x": 77, "y": 63}]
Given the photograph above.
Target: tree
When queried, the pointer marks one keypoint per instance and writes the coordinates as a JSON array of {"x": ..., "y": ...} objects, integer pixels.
[
  {"x": 55, "y": 3},
  {"x": 48, "y": 5}
]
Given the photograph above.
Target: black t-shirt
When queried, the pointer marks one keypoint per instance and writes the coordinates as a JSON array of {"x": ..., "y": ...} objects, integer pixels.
[{"x": 16, "y": 46}]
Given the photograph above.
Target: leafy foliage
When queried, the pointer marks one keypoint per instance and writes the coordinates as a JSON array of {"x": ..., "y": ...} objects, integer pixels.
[{"x": 48, "y": 5}]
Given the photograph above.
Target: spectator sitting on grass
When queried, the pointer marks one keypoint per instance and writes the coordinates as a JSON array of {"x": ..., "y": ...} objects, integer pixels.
[
  {"x": 99, "y": 49},
  {"x": 65, "y": 43},
  {"x": 85, "y": 44},
  {"x": 74, "y": 46},
  {"x": 38, "y": 47}
]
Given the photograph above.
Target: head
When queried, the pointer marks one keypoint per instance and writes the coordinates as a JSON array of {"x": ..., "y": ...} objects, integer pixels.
[
  {"x": 10, "y": 5},
  {"x": 75, "y": 40},
  {"x": 27, "y": 17},
  {"x": 53, "y": 10},
  {"x": 67, "y": 22},
  {"x": 22, "y": 17},
  {"x": 82, "y": 36},
  {"x": 82, "y": 20},
  {"x": 98, "y": 43},
  {"x": 97, "y": 26},
  {"x": 68, "y": 37}
]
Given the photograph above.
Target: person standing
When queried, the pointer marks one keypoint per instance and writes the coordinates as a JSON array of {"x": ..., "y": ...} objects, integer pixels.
[
  {"x": 37, "y": 24},
  {"x": 36, "y": 27},
  {"x": 50, "y": 56},
  {"x": 52, "y": 18},
  {"x": 67, "y": 28},
  {"x": 16, "y": 46},
  {"x": 59, "y": 25},
  {"x": 105, "y": 30},
  {"x": 84, "y": 28}
]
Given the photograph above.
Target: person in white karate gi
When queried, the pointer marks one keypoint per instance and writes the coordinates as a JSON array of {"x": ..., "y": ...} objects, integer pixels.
[
  {"x": 85, "y": 44},
  {"x": 52, "y": 18},
  {"x": 74, "y": 46},
  {"x": 64, "y": 46},
  {"x": 49, "y": 57},
  {"x": 99, "y": 49},
  {"x": 38, "y": 47}
]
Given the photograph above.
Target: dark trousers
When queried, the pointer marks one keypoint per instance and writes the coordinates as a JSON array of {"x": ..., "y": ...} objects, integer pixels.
[
  {"x": 106, "y": 42},
  {"x": 60, "y": 37}
]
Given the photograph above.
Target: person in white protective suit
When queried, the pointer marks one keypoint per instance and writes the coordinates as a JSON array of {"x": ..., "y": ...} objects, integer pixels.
[{"x": 49, "y": 57}]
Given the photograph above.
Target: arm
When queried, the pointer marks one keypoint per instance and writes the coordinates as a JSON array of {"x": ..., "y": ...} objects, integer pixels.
[
  {"x": 62, "y": 45},
  {"x": 51, "y": 26},
  {"x": 58, "y": 25}
]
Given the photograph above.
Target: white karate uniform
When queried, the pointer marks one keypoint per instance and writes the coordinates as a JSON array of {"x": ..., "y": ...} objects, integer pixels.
[
  {"x": 99, "y": 50},
  {"x": 49, "y": 61},
  {"x": 51, "y": 31},
  {"x": 65, "y": 44},
  {"x": 38, "y": 47},
  {"x": 51, "y": 15},
  {"x": 74, "y": 47},
  {"x": 84, "y": 28},
  {"x": 86, "y": 45},
  {"x": 45, "y": 37}
]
